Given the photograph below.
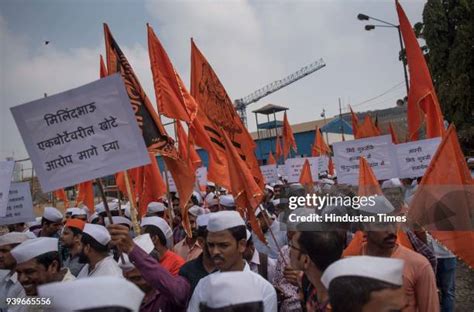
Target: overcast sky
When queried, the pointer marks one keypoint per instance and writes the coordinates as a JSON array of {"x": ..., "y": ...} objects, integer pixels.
[{"x": 248, "y": 43}]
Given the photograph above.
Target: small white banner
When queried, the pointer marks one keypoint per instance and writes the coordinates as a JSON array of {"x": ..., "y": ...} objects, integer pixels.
[
  {"x": 415, "y": 157},
  {"x": 270, "y": 173},
  {"x": 20, "y": 206},
  {"x": 295, "y": 165},
  {"x": 6, "y": 171}
]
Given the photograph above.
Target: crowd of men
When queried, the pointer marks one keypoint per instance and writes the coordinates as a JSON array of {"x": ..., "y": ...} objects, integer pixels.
[{"x": 87, "y": 261}]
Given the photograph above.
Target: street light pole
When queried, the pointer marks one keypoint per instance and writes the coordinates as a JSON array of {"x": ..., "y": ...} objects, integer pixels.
[{"x": 364, "y": 17}]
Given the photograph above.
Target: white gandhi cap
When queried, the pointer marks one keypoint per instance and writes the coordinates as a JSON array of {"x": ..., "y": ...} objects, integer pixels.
[
  {"x": 13, "y": 238},
  {"x": 155, "y": 207},
  {"x": 99, "y": 292},
  {"x": 223, "y": 220},
  {"x": 388, "y": 270},
  {"x": 97, "y": 232},
  {"x": 227, "y": 200},
  {"x": 162, "y": 225},
  {"x": 52, "y": 214},
  {"x": 33, "y": 248},
  {"x": 230, "y": 288}
]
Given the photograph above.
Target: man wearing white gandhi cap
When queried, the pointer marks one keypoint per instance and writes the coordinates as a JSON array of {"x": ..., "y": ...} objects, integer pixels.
[
  {"x": 95, "y": 252},
  {"x": 51, "y": 223},
  {"x": 38, "y": 263},
  {"x": 225, "y": 291},
  {"x": 104, "y": 293},
  {"x": 365, "y": 283},
  {"x": 227, "y": 240},
  {"x": 155, "y": 209}
]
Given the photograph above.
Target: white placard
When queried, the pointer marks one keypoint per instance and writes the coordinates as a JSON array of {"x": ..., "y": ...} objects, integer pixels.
[
  {"x": 6, "y": 171},
  {"x": 415, "y": 157},
  {"x": 171, "y": 184},
  {"x": 270, "y": 173},
  {"x": 295, "y": 165},
  {"x": 201, "y": 175},
  {"x": 20, "y": 206},
  {"x": 378, "y": 151},
  {"x": 81, "y": 134},
  {"x": 281, "y": 169}
]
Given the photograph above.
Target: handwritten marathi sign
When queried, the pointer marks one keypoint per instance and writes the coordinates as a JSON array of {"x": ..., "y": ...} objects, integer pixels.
[
  {"x": 378, "y": 151},
  {"x": 270, "y": 173},
  {"x": 415, "y": 157},
  {"x": 295, "y": 165},
  {"x": 6, "y": 171},
  {"x": 201, "y": 175},
  {"x": 81, "y": 134},
  {"x": 20, "y": 207}
]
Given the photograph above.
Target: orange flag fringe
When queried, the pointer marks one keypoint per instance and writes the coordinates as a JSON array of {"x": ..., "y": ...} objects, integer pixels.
[
  {"x": 443, "y": 201},
  {"x": 422, "y": 97},
  {"x": 271, "y": 160},
  {"x": 184, "y": 146},
  {"x": 319, "y": 147},
  {"x": 246, "y": 191},
  {"x": 85, "y": 195},
  {"x": 305, "y": 177},
  {"x": 368, "y": 184},
  {"x": 103, "y": 70},
  {"x": 216, "y": 115},
  {"x": 172, "y": 98},
  {"x": 61, "y": 195},
  {"x": 367, "y": 129},
  {"x": 278, "y": 150},
  {"x": 288, "y": 138}
]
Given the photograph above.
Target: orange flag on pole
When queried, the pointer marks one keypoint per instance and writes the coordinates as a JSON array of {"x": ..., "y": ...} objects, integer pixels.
[
  {"x": 153, "y": 187},
  {"x": 443, "y": 201},
  {"x": 247, "y": 192},
  {"x": 422, "y": 99},
  {"x": 61, "y": 195},
  {"x": 393, "y": 133},
  {"x": 184, "y": 146},
  {"x": 216, "y": 114},
  {"x": 103, "y": 70},
  {"x": 331, "y": 166},
  {"x": 319, "y": 147},
  {"x": 355, "y": 122},
  {"x": 368, "y": 184},
  {"x": 85, "y": 195},
  {"x": 367, "y": 129},
  {"x": 306, "y": 178},
  {"x": 289, "y": 141},
  {"x": 278, "y": 151},
  {"x": 172, "y": 97},
  {"x": 271, "y": 160}
]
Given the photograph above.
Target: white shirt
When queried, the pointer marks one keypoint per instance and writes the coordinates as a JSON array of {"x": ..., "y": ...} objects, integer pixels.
[
  {"x": 268, "y": 292},
  {"x": 105, "y": 267},
  {"x": 271, "y": 265},
  {"x": 271, "y": 250},
  {"x": 10, "y": 287}
]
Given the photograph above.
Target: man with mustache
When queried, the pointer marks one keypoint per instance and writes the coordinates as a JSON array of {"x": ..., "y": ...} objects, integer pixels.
[
  {"x": 227, "y": 240},
  {"x": 71, "y": 239},
  {"x": 419, "y": 281}
]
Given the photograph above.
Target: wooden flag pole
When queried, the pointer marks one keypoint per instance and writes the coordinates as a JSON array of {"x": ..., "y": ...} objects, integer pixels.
[
  {"x": 133, "y": 209},
  {"x": 273, "y": 236},
  {"x": 168, "y": 195}
]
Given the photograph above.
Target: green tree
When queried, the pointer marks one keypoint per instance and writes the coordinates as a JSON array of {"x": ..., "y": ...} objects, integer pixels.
[{"x": 448, "y": 29}]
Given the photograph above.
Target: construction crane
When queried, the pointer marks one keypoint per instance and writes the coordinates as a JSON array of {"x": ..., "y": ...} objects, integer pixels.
[{"x": 241, "y": 104}]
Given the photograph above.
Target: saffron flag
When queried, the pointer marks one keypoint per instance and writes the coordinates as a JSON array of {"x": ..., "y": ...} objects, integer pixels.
[
  {"x": 186, "y": 149},
  {"x": 288, "y": 138},
  {"x": 85, "y": 195},
  {"x": 103, "y": 70},
  {"x": 355, "y": 122},
  {"x": 443, "y": 201},
  {"x": 319, "y": 147},
  {"x": 61, "y": 195},
  {"x": 271, "y": 160},
  {"x": 217, "y": 115},
  {"x": 393, "y": 133},
  {"x": 246, "y": 191},
  {"x": 278, "y": 151},
  {"x": 172, "y": 98},
  {"x": 153, "y": 131},
  {"x": 422, "y": 98},
  {"x": 306, "y": 178},
  {"x": 153, "y": 187},
  {"x": 368, "y": 184},
  {"x": 331, "y": 167},
  {"x": 367, "y": 129}
]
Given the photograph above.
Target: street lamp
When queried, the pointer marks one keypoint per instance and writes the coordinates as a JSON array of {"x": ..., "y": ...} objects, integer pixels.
[{"x": 363, "y": 17}]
